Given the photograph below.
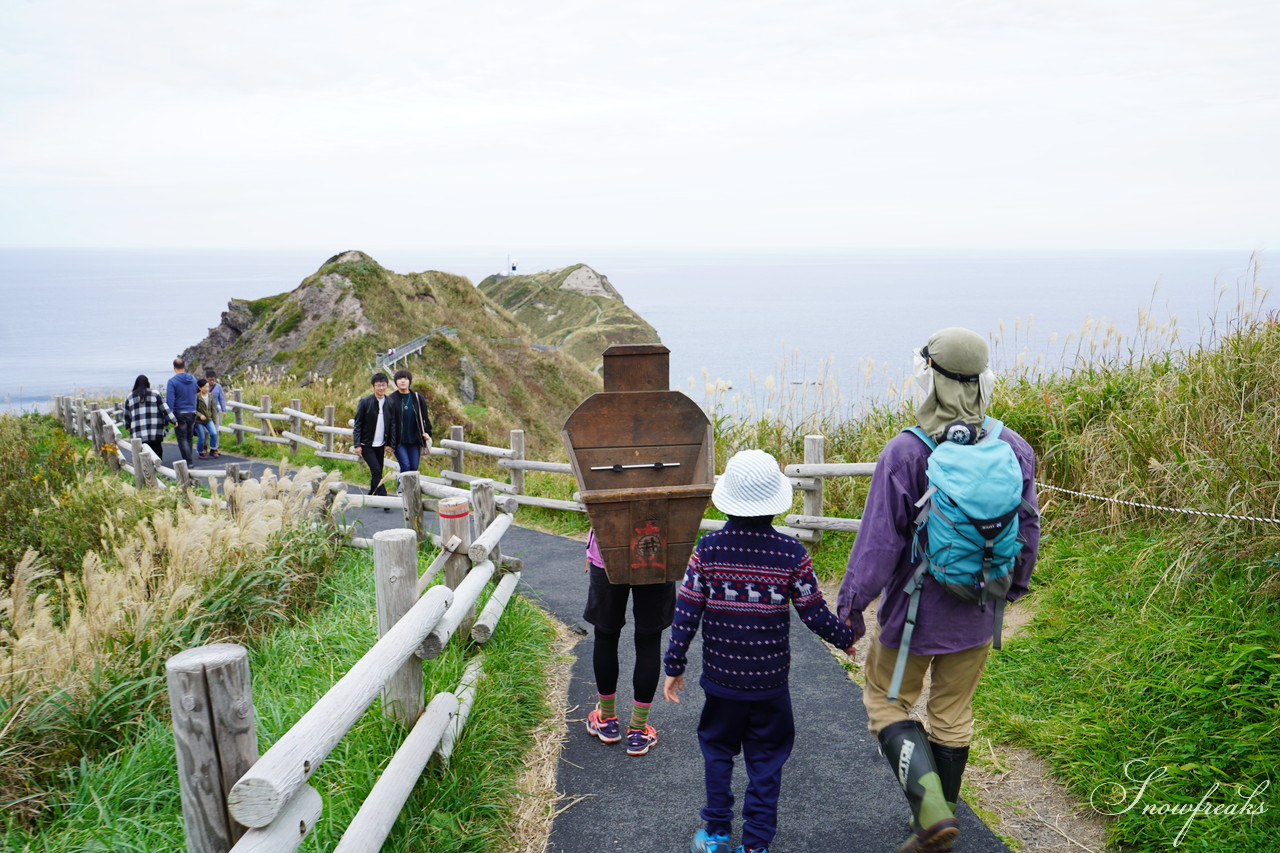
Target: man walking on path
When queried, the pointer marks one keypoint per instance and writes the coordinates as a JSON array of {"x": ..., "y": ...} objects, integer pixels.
[
  {"x": 374, "y": 431},
  {"x": 180, "y": 395},
  {"x": 945, "y": 636}
]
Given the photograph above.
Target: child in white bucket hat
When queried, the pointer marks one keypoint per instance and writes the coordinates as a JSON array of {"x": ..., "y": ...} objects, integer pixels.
[{"x": 746, "y": 577}]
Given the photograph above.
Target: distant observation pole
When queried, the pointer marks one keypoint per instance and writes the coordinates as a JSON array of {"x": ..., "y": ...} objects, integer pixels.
[{"x": 511, "y": 265}]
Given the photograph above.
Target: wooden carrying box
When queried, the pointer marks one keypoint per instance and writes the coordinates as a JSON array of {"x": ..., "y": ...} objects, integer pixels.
[{"x": 644, "y": 458}]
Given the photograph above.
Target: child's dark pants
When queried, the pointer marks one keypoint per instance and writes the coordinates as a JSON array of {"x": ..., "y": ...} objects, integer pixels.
[{"x": 764, "y": 730}]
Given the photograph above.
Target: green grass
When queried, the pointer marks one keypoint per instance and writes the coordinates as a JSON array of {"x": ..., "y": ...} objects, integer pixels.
[
  {"x": 1122, "y": 663},
  {"x": 128, "y": 799}
]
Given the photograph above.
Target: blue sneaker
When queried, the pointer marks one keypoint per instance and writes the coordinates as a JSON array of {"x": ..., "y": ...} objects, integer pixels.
[
  {"x": 639, "y": 740},
  {"x": 607, "y": 730},
  {"x": 742, "y": 849},
  {"x": 705, "y": 842}
]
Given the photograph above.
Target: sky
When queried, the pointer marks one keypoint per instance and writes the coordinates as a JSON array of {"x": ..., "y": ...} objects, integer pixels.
[{"x": 1109, "y": 124}]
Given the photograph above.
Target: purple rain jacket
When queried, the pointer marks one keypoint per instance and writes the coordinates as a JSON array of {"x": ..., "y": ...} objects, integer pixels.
[{"x": 881, "y": 555}]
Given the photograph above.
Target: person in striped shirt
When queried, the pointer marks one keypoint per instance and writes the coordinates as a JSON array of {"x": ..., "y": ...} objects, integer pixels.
[{"x": 739, "y": 587}]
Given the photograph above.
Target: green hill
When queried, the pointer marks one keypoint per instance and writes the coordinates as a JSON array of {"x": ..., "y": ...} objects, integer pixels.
[
  {"x": 480, "y": 367},
  {"x": 574, "y": 309}
]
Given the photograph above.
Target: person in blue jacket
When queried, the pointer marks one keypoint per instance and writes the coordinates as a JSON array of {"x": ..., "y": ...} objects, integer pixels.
[{"x": 180, "y": 395}]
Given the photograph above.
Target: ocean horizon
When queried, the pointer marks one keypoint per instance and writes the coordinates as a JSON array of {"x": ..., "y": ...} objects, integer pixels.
[{"x": 90, "y": 320}]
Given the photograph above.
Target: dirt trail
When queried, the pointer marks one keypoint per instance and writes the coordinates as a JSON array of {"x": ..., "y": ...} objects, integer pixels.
[{"x": 1013, "y": 790}]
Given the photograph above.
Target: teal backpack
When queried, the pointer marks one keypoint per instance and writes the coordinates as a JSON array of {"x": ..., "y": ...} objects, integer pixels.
[{"x": 970, "y": 511}]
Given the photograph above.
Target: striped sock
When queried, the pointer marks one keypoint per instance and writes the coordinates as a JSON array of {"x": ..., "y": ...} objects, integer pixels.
[
  {"x": 640, "y": 715},
  {"x": 607, "y": 705}
]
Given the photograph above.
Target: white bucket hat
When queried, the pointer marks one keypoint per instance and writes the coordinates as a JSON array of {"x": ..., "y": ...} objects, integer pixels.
[{"x": 752, "y": 485}]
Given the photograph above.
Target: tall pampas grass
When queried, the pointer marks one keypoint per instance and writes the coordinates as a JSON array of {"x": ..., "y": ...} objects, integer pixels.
[{"x": 187, "y": 574}]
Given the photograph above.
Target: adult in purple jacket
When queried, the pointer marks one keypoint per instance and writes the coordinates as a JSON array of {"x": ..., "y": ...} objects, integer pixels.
[{"x": 952, "y": 637}]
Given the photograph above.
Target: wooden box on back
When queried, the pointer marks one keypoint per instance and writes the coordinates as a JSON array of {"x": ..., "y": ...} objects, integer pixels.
[{"x": 644, "y": 458}]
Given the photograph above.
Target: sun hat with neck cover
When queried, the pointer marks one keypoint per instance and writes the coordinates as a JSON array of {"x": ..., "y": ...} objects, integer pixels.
[
  {"x": 960, "y": 380},
  {"x": 752, "y": 486}
]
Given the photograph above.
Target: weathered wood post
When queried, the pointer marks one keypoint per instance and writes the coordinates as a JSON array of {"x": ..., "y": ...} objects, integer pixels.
[
  {"x": 411, "y": 494},
  {"x": 144, "y": 469},
  {"x": 184, "y": 477},
  {"x": 517, "y": 453},
  {"x": 455, "y": 520},
  {"x": 110, "y": 449},
  {"x": 295, "y": 426},
  {"x": 266, "y": 424},
  {"x": 395, "y": 567},
  {"x": 213, "y": 731},
  {"x": 238, "y": 395},
  {"x": 456, "y": 434},
  {"x": 95, "y": 428},
  {"x": 486, "y": 511},
  {"x": 330, "y": 413},
  {"x": 815, "y": 453},
  {"x": 80, "y": 419}
]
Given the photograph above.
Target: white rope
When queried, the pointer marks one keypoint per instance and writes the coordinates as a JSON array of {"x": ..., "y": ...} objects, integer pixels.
[{"x": 1163, "y": 508}]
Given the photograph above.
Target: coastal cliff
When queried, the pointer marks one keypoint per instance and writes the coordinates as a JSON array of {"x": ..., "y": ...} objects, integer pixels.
[
  {"x": 574, "y": 309},
  {"x": 479, "y": 365}
]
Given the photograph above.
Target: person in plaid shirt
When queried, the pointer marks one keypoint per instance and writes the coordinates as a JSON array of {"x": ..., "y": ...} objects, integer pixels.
[{"x": 147, "y": 415}]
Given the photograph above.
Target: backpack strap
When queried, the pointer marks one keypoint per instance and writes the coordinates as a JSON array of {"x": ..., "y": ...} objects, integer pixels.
[
  {"x": 908, "y": 628},
  {"x": 923, "y": 436}
]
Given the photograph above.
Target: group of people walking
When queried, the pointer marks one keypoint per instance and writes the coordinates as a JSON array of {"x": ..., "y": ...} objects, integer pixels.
[
  {"x": 742, "y": 580},
  {"x": 193, "y": 406}
]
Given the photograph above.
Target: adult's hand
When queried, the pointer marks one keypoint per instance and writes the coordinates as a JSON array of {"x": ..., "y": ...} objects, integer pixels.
[{"x": 855, "y": 620}]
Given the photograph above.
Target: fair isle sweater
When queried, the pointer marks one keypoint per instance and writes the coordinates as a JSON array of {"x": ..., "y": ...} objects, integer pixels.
[{"x": 740, "y": 584}]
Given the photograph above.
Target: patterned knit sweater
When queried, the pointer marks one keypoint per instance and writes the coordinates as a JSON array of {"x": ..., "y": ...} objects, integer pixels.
[{"x": 740, "y": 584}]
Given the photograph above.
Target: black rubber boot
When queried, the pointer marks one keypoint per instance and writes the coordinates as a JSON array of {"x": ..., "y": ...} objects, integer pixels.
[
  {"x": 933, "y": 822},
  {"x": 950, "y": 761}
]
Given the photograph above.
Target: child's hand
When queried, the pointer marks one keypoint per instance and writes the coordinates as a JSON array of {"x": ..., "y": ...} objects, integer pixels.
[{"x": 671, "y": 688}]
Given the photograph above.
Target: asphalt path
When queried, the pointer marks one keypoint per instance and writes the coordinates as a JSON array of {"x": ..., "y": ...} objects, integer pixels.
[{"x": 838, "y": 793}]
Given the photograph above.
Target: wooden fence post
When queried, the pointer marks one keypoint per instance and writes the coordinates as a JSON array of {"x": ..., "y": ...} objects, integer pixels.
[
  {"x": 144, "y": 469},
  {"x": 265, "y": 424},
  {"x": 295, "y": 426},
  {"x": 517, "y": 453},
  {"x": 213, "y": 731},
  {"x": 455, "y": 520},
  {"x": 330, "y": 413},
  {"x": 184, "y": 477},
  {"x": 456, "y": 433},
  {"x": 95, "y": 428},
  {"x": 238, "y": 395},
  {"x": 411, "y": 494},
  {"x": 815, "y": 453},
  {"x": 110, "y": 449},
  {"x": 486, "y": 512},
  {"x": 395, "y": 567}
]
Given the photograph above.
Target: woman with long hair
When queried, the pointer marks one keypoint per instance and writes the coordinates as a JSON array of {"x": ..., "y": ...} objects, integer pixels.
[{"x": 147, "y": 416}]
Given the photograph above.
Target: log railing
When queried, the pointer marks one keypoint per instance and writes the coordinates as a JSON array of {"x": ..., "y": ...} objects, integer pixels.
[
  {"x": 806, "y": 477},
  {"x": 234, "y": 800}
]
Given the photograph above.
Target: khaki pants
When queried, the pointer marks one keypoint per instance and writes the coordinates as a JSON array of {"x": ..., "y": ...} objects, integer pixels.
[{"x": 953, "y": 681}]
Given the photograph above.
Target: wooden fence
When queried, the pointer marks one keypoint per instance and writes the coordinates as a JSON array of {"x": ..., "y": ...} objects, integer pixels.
[
  {"x": 806, "y": 477},
  {"x": 234, "y": 800}
]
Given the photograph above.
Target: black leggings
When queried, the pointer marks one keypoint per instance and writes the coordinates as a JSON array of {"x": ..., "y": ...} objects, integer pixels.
[{"x": 644, "y": 680}]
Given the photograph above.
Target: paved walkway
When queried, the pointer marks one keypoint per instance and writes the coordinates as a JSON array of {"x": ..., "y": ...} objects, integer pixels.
[{"x": 838, "y": 793}]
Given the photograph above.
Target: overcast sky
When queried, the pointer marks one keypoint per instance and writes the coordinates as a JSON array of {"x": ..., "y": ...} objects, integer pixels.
[{"x": 698, "y": 124}]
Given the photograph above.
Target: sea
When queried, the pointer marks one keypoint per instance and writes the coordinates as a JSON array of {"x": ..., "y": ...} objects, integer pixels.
[{"x": 745, "y": 328}]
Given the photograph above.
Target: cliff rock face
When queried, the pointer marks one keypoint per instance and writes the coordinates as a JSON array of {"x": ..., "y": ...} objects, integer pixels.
[
  {"x": 477, "y": 364},
  {"x": 575, "y": 310}
]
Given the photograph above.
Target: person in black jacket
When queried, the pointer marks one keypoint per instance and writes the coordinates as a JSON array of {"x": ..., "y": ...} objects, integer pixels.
[
  {"x": 413, "y": 428},
  {"x": 374, "y": 431}
]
